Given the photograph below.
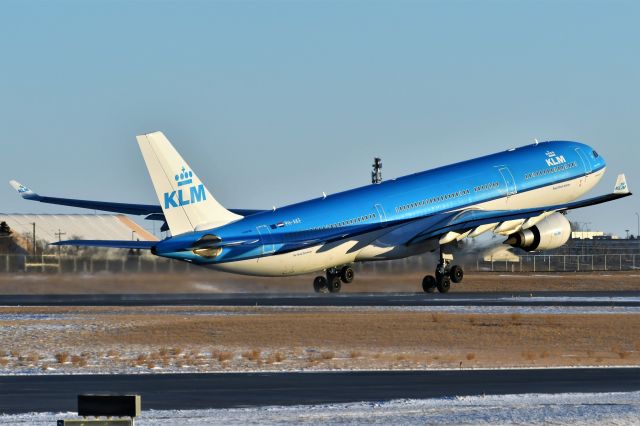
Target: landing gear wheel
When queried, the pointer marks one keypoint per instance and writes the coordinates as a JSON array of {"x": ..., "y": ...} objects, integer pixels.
[
  {"x": 347, "y": 274},
  {"x": 456, "y": 273},
  {"x": 429, "y": 284},
  {"x": 443, "y": 285},
  {"x": 320, "y": 285},
  {"x": 335, "y": 284}
]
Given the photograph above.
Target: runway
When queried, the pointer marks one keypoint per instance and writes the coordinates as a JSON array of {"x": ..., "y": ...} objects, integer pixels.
[
  {"x": 20, "y": 394},
  {"x": 547, "y": 298}
]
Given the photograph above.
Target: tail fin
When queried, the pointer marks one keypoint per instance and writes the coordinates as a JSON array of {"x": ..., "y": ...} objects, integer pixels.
[{"x": 186, "y": 203}]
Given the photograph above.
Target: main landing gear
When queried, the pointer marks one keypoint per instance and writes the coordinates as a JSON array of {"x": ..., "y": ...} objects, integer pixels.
[
  {"x": 445, "y": 274},
  {"x": 334, "y": 279}
]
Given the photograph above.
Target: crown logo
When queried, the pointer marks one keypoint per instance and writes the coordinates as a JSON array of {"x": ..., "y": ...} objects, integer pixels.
[
  {"x": 550, "y": 154},
  {"x": 185, "y": 177}
]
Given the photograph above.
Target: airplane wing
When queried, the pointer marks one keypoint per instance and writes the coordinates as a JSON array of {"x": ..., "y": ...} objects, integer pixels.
[
  {"x": 152, "y": 211},
  {"x": 460, "y": 224}
]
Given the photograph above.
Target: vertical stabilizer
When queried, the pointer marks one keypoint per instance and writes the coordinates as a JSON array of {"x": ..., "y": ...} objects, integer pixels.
[{"x": 185, "y": 201}]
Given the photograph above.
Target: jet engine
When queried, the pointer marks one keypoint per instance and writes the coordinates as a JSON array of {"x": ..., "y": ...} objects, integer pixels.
[{"x": 551, "y": 232}]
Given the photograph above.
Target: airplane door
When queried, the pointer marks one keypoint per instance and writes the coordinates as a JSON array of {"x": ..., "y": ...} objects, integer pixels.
[
  {"x": 585, "y": 160},
  {"x": 266, "y": 239},
  {"x": 509, "y": 181},
  {"x": 381, "y": 214}
]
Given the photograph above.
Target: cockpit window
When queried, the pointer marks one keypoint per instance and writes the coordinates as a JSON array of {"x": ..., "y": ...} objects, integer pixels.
[{"x": 595, "y": 154}]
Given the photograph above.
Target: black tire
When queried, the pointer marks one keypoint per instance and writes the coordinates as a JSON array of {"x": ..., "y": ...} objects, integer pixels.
[
  {"x": 456, "y": 273},
  {"x": 347, "y": 275},
  {"x": 444, "y": 285},
  {"x": 335, "y": 284},
  {"x": 429, "y": 284},
  {"x": 320, "y": 284}
]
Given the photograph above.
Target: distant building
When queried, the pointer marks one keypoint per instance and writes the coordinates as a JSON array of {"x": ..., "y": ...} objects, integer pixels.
[
  {"x": 55, "y": 227},
  {"x": 587, "y": 235}
]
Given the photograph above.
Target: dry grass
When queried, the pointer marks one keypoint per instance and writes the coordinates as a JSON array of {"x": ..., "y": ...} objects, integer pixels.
[
  {"x": 497, "y": 339},
  {"x": 326, "y": 355},
  {"x": 252, "y": 355},
  {"x": 141, "y": 359},
  {"x": 369, "y": 282},
  {"x": 62, "y": 357},
  {"x": 223, "y": 356},
  {"x": 516, "y": 319},
  {"x": 32, "y": 358},
  {"x": 3, "y": 362},
  {"x": 78, "y": 361},
  {"x": 274, "y": 358}
]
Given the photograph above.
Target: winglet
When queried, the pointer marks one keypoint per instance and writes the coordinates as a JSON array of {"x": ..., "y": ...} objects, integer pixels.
[
  {"x": 621, "y": 185},
  {"x": 22, "y": 190}
]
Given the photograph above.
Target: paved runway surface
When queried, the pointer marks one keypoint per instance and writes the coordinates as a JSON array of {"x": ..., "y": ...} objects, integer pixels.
[
  {"x": 222, "y": 390},
  {"x": 548, "y": 298}
]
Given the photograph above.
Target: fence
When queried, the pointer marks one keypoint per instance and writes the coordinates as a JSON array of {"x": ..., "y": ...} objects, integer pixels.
[
  {"x": 563, "y": 263},
  {"x": 89, "y": 264},
  {"x": 52, "y": 263}
]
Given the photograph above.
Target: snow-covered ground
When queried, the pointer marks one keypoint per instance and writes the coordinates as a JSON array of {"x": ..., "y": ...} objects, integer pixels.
[{"x": 561, "y": 409}]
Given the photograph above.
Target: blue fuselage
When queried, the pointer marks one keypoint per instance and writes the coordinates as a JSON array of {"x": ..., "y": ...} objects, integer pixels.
[{"x": 391, "y": 202}]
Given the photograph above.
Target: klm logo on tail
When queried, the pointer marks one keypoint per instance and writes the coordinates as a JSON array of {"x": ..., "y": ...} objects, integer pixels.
[{"x": 182, "y": 197}]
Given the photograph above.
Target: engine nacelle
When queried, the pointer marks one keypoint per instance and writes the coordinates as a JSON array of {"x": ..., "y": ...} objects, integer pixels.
[{"x": 551, "y": 232}]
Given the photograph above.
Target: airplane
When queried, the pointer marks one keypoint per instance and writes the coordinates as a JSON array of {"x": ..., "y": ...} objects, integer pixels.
[{"x": 522, "y": 194}]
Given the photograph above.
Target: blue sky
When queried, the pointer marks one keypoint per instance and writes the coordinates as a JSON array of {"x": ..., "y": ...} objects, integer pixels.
[{"x": 275, "y": 102}]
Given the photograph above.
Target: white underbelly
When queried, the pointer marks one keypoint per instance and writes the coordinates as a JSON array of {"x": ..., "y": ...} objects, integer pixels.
[
  {"x": 388, "y": 243},
  {"x": 550, "y": 195}
]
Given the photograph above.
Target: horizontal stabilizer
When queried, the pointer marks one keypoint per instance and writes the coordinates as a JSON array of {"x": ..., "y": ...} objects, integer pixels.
[
  {"x": 107, "y": 206},
  {"x": 152, "y": 211},
  {"x": 123, "y": 244}
]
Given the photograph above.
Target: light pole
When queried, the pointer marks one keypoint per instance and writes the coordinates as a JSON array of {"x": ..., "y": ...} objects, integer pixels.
[
  {"x": 34, "y": 238},
  {"x": 60, "y": 234},
  {"x": 638, "y": 233}
]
